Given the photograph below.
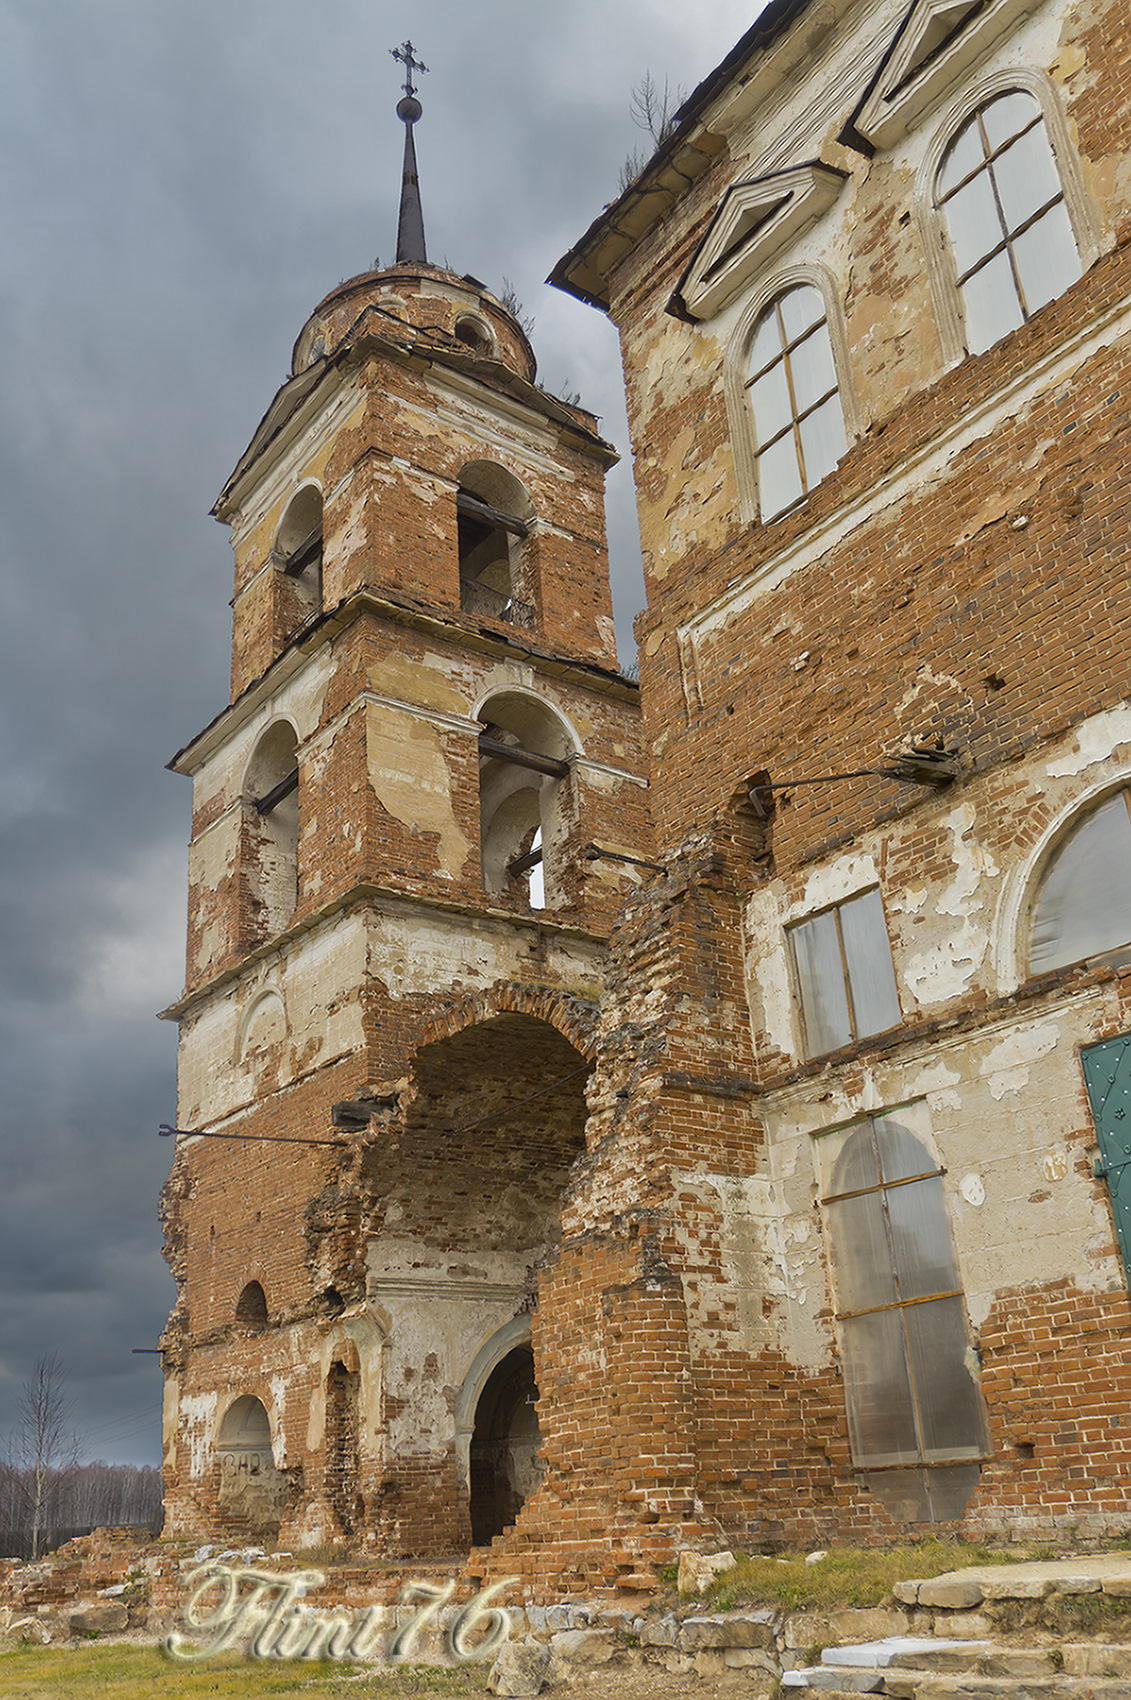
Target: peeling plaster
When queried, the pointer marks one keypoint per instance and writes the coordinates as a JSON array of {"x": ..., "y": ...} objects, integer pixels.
[
  {"x": 409, "y": 772},
  {"x": 1096, "y": 740}
]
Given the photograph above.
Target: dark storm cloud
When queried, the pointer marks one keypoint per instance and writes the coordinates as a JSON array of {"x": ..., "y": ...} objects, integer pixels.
[{"x": 180, "y": 182}]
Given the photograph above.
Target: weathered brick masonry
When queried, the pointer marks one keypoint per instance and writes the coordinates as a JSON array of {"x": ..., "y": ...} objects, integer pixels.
[
  {"x": 956, "y": 580},
  {"x": 741, "y": 1185}
]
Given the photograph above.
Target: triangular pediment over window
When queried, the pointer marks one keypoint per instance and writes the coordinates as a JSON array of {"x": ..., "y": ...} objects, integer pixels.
[
  {"x": 937, "y": 42},
  {"x": 754, "y": 222}
]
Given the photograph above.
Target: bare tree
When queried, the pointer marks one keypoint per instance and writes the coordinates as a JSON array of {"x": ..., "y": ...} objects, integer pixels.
[
  {"x": 43, "y": 1446},
  {"x": 653, "y": 110}
]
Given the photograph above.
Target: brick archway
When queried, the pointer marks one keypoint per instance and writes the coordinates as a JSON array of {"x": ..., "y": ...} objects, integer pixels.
[{"x": 574, "y": 1018}]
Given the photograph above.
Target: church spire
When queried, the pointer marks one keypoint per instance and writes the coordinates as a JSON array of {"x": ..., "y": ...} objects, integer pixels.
[{"x": 410, "y": 226}]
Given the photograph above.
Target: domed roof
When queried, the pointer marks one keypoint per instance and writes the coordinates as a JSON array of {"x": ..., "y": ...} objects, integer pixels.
[{"x": 411, "y": 302}]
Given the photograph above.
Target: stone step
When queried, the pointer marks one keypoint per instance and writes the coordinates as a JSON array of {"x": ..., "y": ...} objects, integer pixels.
[
  {"x": 909, "y": 1686},
  {"x": 919, "y": 1668},
  {"x": 831, "y": 1683}
]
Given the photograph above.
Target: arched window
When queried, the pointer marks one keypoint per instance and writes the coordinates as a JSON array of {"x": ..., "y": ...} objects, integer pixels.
[
  {"x": 271, "y": 824},
  {"x": 474, "y": 334},
  {"x": 1083, "y": 906},
  {"x": 522, "y": 768},
  {"x": 795, "y": 405},
  {"x": 493, "y": 515},
  {"x": 1001, "y": 200},
  {"x": 915, "y": 1413},
  {"x": 298, "y": 549}
]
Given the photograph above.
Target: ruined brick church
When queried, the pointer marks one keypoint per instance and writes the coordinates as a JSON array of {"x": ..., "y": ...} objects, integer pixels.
[{"x": 614, "y": 1119}]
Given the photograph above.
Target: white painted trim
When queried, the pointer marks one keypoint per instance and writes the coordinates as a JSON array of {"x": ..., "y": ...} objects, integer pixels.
[
  {"x": 735, "y": 372},
  {"x": 514, "y": 1333},
  {"x": 788, "y": 202},
  {"x": 1020, "y": 891},
  {"x": 883, "y": 117},
  {"x": 940, "y": 264}
]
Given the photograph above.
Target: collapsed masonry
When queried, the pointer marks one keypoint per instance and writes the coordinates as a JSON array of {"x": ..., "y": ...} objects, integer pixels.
[{"x": 601, "y": 1168}]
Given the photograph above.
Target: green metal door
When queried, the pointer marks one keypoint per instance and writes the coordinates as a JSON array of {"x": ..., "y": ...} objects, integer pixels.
[{"x": 1107, "y": 1075}]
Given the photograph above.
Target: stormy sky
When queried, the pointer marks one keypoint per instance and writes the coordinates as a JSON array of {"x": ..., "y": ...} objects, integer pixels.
[{"x": 181, "y": 181}]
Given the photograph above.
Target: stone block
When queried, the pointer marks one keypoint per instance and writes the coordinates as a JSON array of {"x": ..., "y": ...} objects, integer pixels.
[
  {"x": 869, "y": 1624},
  {"x": 520, "y": 1670},
  {"x": 1096, "y": 1658},
  {"x": 583, "y": 1647},
  {"x": 751, "y": 1658},
  {"x": 736, "y": 1629},
  {"x": 807, "y": 1629},
  {"x": 105, "y": 1617},
  {"x": 969, "y": 1626},
  {"x": 953, "y": 1592},
  {"x": 1007, "y": 1587},
  {"x": 697, "y": 1570},
  {"x": 660, "y": 1632},
  {"x": 710, "y": 1662}
]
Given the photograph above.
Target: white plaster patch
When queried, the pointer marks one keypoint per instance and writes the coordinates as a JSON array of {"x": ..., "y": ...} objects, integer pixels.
[
  {"x": 197, "y": 1413},
  {"x": 1054, "y": 1165},
  {"x": 973, "y": 1190},
  {"x": 1008, "y": 1064},
  {"x": 1095, "y": 741},
  {"x": 945, "y": 969}
]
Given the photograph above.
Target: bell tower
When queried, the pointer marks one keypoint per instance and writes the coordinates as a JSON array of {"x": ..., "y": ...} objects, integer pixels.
[{"x": 413, "y": 825}]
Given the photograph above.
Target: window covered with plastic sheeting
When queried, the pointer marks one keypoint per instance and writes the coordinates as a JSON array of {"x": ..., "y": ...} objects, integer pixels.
[
  {"x": 845, "y": 974},
  {"x": 911, "y": 1379}
]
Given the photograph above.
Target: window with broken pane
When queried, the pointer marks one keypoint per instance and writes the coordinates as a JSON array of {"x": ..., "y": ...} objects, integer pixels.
[
  {"x": 910, "y": 1374},
  {"x": 845, "y": 974},
  {"x": 1002, "y": 204},
  {"x": 799, "y": 429},
  {"x": 1083, "y": 907}
]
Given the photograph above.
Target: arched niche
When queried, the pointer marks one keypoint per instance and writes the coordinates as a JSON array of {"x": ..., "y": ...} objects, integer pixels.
[
  {"x": 494, "y": 517},
  {"x": 251, "y": 1488},
  {"x": 271, "y": 805},
  {"x": 251, "y": 1306},
  {"x": 525, "y": 810}
]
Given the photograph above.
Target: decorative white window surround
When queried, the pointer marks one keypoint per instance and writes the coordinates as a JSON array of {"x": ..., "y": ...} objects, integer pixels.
[
  {"x": 736, "y": 373},
  {"x": 1012, "y": 922},
  {"x": 755, "y": 221},
  {"x": 940, "y": 266},
  {"x": 922, "y": 65},
  {"x": 919, "y": 471}
]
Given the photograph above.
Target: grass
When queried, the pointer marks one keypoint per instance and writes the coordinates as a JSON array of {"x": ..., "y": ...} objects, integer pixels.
[
  {"x": 846, "y": 1576},
  {"x": 136, "y": 1673}
]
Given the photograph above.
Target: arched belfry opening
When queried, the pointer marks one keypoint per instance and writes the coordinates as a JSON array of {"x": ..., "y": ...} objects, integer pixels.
[
  {"x": 271, "y": 820},
  {"x": 494, "y": 516},
  {"x": 297, "y": 554},
  {"x": 470, "y": 1199},
  {"x": 524, "y": 812},
  {"x": 504, "y": 1465},
  {"x": 251, "y": 1488}
]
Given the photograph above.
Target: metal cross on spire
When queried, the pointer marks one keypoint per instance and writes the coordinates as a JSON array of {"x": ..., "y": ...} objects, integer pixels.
[
  {"x": 406, "y": 55},
  {"x": 410, "y": 226}
]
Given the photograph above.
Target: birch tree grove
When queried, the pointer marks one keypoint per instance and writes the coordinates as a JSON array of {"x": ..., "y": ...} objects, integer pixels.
[{"x": 46, "y": 1495}]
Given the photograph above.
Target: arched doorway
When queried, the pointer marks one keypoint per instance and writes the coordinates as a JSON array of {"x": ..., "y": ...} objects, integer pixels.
[
  {"x": 251, "y": 1488},
  {"x": 504, "y": 1467}
]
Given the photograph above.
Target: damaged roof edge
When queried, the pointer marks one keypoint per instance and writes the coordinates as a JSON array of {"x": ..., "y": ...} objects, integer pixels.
[
  {"x": 578, "y": 272},
  {"x": 494, "y": 374}
]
